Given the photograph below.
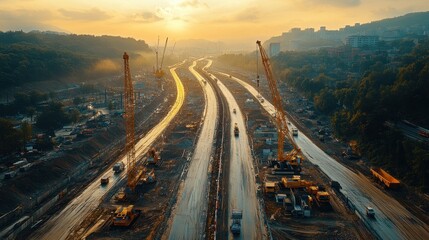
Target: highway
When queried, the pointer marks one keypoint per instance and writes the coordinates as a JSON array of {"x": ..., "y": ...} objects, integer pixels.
[
  {"x": 242, "y": 187},
  {"x": 392, "y": 220},
  {"x": 63, "y": 224},
  {"x": 189, "y": 216}
]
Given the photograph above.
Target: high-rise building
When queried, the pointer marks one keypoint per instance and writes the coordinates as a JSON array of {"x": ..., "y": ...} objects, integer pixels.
[{"x": 358, "y": 41}]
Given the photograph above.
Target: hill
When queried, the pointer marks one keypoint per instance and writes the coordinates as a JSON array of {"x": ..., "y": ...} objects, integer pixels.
[{"x": 39, "y": 56}]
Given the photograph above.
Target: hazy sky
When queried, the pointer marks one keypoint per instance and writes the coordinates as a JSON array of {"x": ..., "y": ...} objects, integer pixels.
[{"x": 233, "y": 20}]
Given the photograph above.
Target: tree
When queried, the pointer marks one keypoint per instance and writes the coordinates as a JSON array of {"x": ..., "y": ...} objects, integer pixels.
[
  {"x": 30, "y": 112},
  {"x": 9, "y": 137},
  {"x": 53, "y": 117},
  {"x": 74, "y": 116},
  {"x": 26, "y": 130}
]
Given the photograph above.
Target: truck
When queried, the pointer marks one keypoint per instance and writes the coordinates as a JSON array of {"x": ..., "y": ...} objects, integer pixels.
[
  {"x": 118, "y": 167},
  {"x": 388, "y": 180},
  {"x": 270, "y": 187},
  {"x": 236, "y": 217},
  {"x": 370, "y": 212},
  {"x": 294, "y": 132},
  {"x": 104, "y": 180},
  {"x": 236, "y": 130}
]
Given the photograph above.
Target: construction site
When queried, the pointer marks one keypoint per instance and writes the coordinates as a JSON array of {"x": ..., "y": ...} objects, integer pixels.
[{"x": 216, "y": 154}]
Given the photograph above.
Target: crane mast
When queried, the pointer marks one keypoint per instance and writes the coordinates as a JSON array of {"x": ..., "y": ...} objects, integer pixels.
[
  {"x": 293, "y": 157},
  {"x": 132, "y": 171}
]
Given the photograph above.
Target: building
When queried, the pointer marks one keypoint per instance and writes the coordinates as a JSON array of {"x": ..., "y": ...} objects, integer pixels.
[
  {"x": 358, "y": 41},
  {"x": 274, "y": 49}
]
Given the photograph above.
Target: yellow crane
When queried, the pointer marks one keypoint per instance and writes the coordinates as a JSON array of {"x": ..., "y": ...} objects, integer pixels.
[
  {"x": 133, "y": 172},
  {"x": 294, "y": 157},
  {"x": 159, "y": 73}
]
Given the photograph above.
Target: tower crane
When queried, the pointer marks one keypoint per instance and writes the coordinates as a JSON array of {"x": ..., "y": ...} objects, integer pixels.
[
  {"x": 294, "y": 157},
  {"x": 159, "y": 73}
]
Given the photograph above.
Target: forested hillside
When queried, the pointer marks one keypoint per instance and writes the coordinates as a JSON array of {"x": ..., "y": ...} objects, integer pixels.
[{"x": 36, "y": 56}]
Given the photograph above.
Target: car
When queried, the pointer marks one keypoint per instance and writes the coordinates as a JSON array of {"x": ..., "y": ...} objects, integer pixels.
[
  {"x": 234, "y": 111},
  {"x": 104, "y": 180},
  {"x": 370, "y": 212}
]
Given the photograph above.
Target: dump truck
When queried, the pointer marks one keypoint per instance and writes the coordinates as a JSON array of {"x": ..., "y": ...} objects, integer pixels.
[
  {"x": 386, "y": 178},
  {"x": 118, "y": 167},
  {"x": 236, "y": 217},
  {"x": 124, "y": 216}
]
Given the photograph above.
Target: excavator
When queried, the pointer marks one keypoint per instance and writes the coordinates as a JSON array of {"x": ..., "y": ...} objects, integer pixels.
[
  {"x": 290, "y": 161},
  {"x": 159, "y": 73}
]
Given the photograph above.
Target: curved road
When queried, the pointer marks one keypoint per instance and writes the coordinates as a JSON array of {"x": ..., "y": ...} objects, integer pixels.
[
  {"x": 392, "y": 220},
  {"x": 241, "y": 187},
  {"x": 60, "y": 226},
  {"x": 191, "y": 208}
]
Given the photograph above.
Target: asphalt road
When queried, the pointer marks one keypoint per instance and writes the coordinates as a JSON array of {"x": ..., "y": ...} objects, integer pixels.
[
  {"x": 62, "y": 224},
  {"x": 392, "y": 220},
  {"x": 242, "y": 187},
  {"x": 189, "y": 216}
]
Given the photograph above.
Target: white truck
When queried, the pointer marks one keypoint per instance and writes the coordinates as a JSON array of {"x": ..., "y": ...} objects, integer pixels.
[{"x": 236, "y": 217}]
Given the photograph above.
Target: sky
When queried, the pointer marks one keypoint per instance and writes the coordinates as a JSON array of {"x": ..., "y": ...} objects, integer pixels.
[{"x": 234, "y": 21}]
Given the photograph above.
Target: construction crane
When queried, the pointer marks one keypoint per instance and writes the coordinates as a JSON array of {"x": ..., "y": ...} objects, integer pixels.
[
  {"x": 133, "y": 172},
  {"x": 159, "y": 73},
  {"x": 294, "y": 157}
]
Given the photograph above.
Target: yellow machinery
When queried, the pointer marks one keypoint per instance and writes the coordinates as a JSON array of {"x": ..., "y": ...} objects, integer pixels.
[
  {"x": 294, "y": 157},
  {"x": 124, "y": 216},
  {"x": 159, "y": 73},
  {"x": 295, "y": 182}
]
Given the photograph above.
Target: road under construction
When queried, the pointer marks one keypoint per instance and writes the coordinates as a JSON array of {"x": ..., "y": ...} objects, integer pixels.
[{"x": 195, "y": 173}]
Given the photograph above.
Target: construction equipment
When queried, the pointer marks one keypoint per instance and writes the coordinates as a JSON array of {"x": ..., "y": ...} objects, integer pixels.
[
  {"x": 133, "y": 172},
  {"x": 153, "y": 156},
  {"x": 236, "y": 217},
  {"x": 159, "y": 73},
  {"x": 323, "y": 198},
  {"x": 388, "y": 180},
  {"x": 124, "y": 216},
  {"x": 294, "y": 157},
  {"x": 270, "y": 187},
  {"x": 121, "y": 196},
  {"x": 295, "y": 182}
]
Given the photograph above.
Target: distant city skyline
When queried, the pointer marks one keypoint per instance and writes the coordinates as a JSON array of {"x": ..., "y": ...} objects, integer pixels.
[{"x": 233, "y": 22}]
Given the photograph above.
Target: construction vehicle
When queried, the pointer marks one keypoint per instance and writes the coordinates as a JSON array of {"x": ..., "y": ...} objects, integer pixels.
[
  {"x": 118, "y": 167},
  {"x": 236, "y": 217},
  {"x": 236, "y": 130},
  {"x": 121, "y": 196},
  {"x": 293, "y": 158},
  {"x": 270, "y": 187},
  {"x": 388, "y": 180},
  {"x": 153, "y": 156},
  {"x": 124, "y": 216},
  {"x": 323, "y": 198},
  {"x": 295, "y": 182},
  {"x": 148, "y": 177},
  {"x": 159, "y": 73}
]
